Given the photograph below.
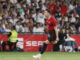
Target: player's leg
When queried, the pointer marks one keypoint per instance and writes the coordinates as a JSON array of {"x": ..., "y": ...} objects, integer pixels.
[
  {"x": 54, "y": 41},
  {"x": 44, "y": 45},
  {"x": 42, "y": 50},
  {"x": 54, "y": 37},
  {"x": 51, "y": 38}
]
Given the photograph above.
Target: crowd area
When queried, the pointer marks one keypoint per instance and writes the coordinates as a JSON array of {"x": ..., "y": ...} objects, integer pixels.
[{"x": 27, "y": 15}]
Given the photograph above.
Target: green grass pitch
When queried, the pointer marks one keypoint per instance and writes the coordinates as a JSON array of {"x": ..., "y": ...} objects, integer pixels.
[{"x": 46, "y": 56}]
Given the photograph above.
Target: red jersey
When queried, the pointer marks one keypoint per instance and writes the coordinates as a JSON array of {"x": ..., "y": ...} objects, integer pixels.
[
  {"x": 51, "y": 23},
  {"x": 52, "y": 8},
  {"x": 63, "y": 10}
]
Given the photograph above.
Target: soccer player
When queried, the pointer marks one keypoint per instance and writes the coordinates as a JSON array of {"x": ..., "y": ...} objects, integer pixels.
[{"x": 52, "y": 30}]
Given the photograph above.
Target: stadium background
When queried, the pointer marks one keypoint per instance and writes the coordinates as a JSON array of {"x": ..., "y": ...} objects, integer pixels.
[
  {"x": 27, "y": 17},
  {"x": 22, "y": 13}
]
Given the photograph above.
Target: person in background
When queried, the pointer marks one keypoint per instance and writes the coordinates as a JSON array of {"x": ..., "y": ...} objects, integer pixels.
[
  {"x": 25, "y": 28},
  {"x": 38, "y": 28},
  {"x": 69, "y": 41},
  {"x": 60, "y": 44},
  {"x": 12, "y": 40},
  {"x": 52, "y": 7},
  {"x": 7, "y": 29},
  {"x": 1, "y": 28},
  {"x": 64, "y": 8}
]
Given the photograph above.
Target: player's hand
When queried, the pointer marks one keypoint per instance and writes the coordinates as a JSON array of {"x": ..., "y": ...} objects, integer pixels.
[
  {"x": 57, "y": 39},
  {"x": 46, "y": 29},
  {"x": 55, "y": 42}
]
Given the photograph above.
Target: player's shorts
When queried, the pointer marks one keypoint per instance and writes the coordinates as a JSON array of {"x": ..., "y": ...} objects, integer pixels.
[{"x": 51, "y": 36}]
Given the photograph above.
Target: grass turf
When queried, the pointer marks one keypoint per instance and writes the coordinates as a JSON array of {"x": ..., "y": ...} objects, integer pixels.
[{"x": 46, "y": 56}]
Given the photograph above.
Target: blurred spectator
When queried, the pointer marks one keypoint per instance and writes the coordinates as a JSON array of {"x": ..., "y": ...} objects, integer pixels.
[
  {"x": 13, "y": 20},
  {"x": 41, "y": 5},
  {"x": 38, "y": 28},
  {"x": 78, "y": 9},
  {"x": 52, "y": 6},
  {"x": 58, "y": 8},
  {"x": 13, "y": 1},
  {"x": 77, "y": 24},
  {"x": 58, "y": 25},
  {"x": 18, "y": 26},
  {"x": 25, "y": 28},
  {"x": 0, "y": 9},
  {"x": 79, "y": 29},
  {"x": 62, "y": 22},
  {"x": 10, "y": 25},
  {"x": 39, "y": 17},
  {"x": 3, "y": 23},
  {"x": 70, "y": 42},
  {"x": 64, "y": 8},
  {"x": 26, "y": 19},
  {"x": 73, "y": 29},
  {"x": 62, "y": 39},
  {"x": 31, "y": 24},
  {"x": 67, "y": 26},
  {"x": 71, "y": 6},
  {"x": 1, "y": 28},
  {"x": 7, "y": 29}
]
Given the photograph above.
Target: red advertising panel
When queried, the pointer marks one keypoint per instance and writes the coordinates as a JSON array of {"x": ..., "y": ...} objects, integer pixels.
[
  {"x": 77, "y": 38},
  {"x": 33, "y": 42}
]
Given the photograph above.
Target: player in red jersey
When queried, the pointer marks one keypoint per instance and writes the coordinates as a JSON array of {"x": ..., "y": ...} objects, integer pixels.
[{"x": 52, "y": 30}]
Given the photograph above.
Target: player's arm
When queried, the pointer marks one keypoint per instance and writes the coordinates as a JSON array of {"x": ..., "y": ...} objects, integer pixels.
[
  {"x": 46, "y": 28},
  {"x": 56, "y": 32},
  {"x": 55, "y": 28}
]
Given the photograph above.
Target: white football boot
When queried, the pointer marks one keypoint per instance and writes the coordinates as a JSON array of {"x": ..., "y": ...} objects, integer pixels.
[{"x": 37, "y": 56}]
